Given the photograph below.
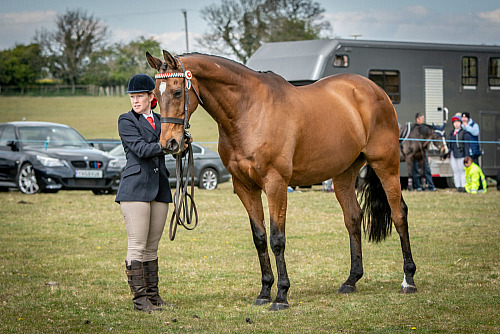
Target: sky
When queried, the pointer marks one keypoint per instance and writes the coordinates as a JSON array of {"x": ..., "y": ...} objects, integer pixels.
[{"x": 436, "y": 21}]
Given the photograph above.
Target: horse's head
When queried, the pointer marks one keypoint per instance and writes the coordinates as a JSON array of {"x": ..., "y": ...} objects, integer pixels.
[
  {"x": 440, "y": 141},
  {"x": 176, "y": 99}
]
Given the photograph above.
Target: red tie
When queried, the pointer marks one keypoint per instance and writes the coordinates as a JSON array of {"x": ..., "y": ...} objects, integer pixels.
[{"x": 150, "y": 120}]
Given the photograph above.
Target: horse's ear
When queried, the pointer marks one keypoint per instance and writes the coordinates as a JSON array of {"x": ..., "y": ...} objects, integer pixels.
[
  {"x": 170, "y": 60},
  {"x": 153, "y": 61}
]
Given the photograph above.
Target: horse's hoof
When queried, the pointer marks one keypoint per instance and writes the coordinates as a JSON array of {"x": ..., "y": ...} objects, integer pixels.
[
  {"x": 344, "y": 289},
  {"x": 261, "y": 301},
  {"x": 279, "y": 306},
  {"x": 408, "y": 289}
]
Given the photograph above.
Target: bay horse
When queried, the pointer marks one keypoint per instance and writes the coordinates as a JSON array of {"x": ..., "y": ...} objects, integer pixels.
[
  {"x": 416, "y": 150},
  {"x": 273, "y": 134}
]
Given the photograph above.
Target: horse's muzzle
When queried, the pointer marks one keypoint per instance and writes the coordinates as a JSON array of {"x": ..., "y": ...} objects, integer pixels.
[{"x": 172, "y": 146}]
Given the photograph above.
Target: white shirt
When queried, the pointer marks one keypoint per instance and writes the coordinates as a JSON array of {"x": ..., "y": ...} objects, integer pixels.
[{"x": 150, "y": 115}]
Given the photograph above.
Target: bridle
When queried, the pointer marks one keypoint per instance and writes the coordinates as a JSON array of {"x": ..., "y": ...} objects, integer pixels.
[
  {"x": 184, "y": 205},
  {"x": 187, "y": 75}
]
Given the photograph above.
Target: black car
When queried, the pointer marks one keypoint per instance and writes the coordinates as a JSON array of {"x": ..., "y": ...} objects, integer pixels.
[
  {"x": 42, "y": 156},
  {"x": 208, "y": 168}
]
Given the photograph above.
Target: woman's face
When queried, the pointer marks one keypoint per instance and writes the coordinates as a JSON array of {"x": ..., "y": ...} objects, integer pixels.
[
  {"x": 457, "y": 124},
  {"x": 141, "y": 102}
]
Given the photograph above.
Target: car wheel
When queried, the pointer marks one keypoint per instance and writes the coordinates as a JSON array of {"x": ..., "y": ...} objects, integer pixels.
[
  {"x": 26, "y": 180},
  {"x": 208, "y": 179}
]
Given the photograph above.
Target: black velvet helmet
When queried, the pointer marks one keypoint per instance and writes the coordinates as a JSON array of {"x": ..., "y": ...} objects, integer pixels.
[{"x": 140, "y": 83}]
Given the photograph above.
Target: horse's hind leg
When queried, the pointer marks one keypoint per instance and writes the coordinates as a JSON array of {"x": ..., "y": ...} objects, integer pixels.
[
  {"x": 346, "y": 195},
  {"x": 251, "y": 199},
  {"x": 389, "y": 177}
]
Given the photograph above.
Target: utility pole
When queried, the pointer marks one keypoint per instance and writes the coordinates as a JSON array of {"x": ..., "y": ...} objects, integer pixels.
[{"x": 186, "y": 29}]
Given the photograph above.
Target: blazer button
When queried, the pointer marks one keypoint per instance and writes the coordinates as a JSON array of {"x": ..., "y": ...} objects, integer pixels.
[{"x": 156, "y": 170}]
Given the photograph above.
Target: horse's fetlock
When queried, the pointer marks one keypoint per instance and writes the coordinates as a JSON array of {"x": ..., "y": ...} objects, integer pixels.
[
  {"x": 267, "y": 280},
  {"x": 410, "y": 268}
]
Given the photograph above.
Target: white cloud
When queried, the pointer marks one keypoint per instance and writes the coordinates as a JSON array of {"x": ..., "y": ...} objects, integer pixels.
[
  {"x": 493, "y": 16},
  {"x": 420, "y": 24},
  {"x": 31, "y": 18},
  {"x": 20, "y": 28}
]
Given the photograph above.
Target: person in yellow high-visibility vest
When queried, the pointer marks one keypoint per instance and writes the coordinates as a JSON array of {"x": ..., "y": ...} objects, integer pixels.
[{"x": 474, "y": 177}]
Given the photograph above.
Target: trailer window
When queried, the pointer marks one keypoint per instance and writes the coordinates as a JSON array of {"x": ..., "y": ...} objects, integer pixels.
[
  {"x": 469, "y": 71},
  {"x": 341, "y": 61},
  {"x": 494, "y": 72},
  {"x": 389, "y": 81}
]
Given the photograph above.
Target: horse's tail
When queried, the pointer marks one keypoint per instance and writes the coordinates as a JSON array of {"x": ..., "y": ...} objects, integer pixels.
[{"x": 377, "y": 220}]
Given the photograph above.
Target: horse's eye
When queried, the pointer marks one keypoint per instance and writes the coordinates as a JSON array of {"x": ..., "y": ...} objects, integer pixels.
[{"x": 177, "y": 93}]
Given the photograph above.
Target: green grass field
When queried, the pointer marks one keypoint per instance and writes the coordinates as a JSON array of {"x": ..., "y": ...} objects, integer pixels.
[
  {"x": 62, "y": 258},
  {"x": 78, "y": 241}
]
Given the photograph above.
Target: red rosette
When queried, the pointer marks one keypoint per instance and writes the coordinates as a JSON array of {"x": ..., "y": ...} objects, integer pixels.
[{"x": 154, "y": 103}]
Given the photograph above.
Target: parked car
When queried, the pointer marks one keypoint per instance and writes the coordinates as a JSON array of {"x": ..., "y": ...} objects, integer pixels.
[
  {"x": 42, "y": 156},
  {"x": 208, "y": 168},
  {"x": 105, "y": 145}
]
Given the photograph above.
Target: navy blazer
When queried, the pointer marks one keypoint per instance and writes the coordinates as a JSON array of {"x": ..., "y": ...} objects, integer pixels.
[{"x": 145, "y": 177}]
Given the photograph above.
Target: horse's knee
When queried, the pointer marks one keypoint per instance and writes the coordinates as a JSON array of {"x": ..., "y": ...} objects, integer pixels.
[
  {"x": 277, "y": 240},
  {"x": 259, "y": 237}
]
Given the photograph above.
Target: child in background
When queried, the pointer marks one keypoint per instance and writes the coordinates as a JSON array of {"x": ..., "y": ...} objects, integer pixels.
[{"x": 474, "y": 177}]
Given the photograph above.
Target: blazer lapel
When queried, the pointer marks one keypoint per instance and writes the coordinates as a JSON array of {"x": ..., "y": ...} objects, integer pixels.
[
  {"x": 144, "y": 122},
  {"x": 157, "y": 124}
]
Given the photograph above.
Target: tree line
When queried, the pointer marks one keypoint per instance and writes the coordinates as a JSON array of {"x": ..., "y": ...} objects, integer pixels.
[{"x": 78, "y": 51}]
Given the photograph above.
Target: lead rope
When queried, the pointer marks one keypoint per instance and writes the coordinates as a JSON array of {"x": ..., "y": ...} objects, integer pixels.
[{"x": 184, "y": 205}]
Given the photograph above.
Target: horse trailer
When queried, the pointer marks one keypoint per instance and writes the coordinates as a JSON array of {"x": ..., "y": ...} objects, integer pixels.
[{"x": 432, "y": 79}]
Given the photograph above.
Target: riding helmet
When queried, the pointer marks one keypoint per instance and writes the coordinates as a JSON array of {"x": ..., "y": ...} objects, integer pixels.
[{"x": 140, "y": 83}]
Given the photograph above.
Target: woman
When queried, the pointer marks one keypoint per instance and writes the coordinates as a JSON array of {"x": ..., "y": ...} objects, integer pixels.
[
  {"x": 458, "y": 149},
  {"x": 144, "y": 192}
]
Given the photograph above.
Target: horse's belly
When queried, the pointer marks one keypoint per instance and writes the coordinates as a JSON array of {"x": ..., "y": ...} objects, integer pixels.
[{"x": 322, "y": 167}]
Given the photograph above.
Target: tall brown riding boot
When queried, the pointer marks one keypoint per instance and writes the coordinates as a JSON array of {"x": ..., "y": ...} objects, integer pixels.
[
  {"x": 151, "y": 277},
  {"x": 137, "y": 283}
]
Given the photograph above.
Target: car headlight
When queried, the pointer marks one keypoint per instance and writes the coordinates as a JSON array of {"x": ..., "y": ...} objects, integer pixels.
[
  {"x": 50, "y": 162},
  {"x": 116, "y": 164}
]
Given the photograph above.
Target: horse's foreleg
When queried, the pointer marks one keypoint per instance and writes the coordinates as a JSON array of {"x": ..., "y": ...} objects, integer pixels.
[
  {"x": 346, "y": 195},
  {"x": 277, "y": 200},
  {"x": 251, "y": 199},
  {"x": 421, "y": 169}
]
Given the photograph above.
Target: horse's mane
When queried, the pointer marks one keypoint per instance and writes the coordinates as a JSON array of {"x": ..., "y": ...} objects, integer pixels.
[{"x": 232, "y": 64}]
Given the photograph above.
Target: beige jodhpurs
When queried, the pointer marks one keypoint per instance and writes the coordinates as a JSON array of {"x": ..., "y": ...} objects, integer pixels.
[{"x": 144, "y": 222}]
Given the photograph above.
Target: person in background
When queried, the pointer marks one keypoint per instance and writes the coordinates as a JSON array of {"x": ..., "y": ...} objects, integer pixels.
[
  {"x": 144, "y": 192},
  {"x": 474, "y": 177},
  {"x": 473, "y": 129},
  {"x": 458, "y": 149},
  {"x": 420, "y": 119}
]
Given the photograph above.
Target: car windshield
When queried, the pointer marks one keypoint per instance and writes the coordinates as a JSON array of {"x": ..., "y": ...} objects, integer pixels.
[
  {"x": 117, "y": 151},
  {"x": 51, "y": 136}
]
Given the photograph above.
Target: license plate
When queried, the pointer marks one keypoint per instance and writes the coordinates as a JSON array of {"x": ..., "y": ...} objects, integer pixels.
[{"x": 91, "y": 174}]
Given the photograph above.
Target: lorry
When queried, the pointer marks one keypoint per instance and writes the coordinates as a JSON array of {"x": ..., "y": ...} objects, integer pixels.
[{"x": 427, "y": 78}]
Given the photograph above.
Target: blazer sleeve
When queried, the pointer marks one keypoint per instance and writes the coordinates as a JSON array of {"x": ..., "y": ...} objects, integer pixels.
[{"x": 131, "y": 137}]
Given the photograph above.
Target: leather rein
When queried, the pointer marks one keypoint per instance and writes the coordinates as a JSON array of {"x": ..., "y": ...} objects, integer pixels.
[{"x": 185, "y": 212}]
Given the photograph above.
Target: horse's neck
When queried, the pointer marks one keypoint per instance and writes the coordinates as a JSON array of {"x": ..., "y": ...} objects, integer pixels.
[{"x": 221, "y": 88}]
